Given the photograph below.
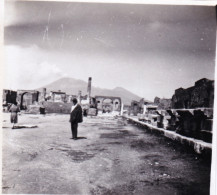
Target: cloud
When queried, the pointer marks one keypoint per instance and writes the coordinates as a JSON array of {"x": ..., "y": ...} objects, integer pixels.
[
  {"x": 27, "y": 68},
  {"x": 101, "y": 27},
  {"x": 140, "y": 48}
]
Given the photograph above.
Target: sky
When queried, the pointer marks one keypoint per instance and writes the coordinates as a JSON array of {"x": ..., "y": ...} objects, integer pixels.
[{"x": 150, "y": 50}]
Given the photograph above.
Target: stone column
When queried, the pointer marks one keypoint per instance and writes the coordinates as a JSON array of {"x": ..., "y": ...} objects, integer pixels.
[
  {"x": 89, "y": 90},
  {"x": 44, "y": 93},
  {"x": 79, "y": 96}
]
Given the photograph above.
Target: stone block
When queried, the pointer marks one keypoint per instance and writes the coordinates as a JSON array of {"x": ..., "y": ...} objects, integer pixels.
[
  {"x": 92, "y": 112},
  {"x": 154, "y": 123},
  {"x": 141, "y": 117},
  {"x": 167, "y": 117},
  {"x": 160, "y": 125},
  {"x": 33, "y": 109},
  {"x": 207, "y": 124},
  {"x": 208, "y": 112},
  {"x": 149, "y": 117},
  {"x": 206, "y": 136},
  {"x": 160, "y": 119},
  {"x": 57, "y": 107}
]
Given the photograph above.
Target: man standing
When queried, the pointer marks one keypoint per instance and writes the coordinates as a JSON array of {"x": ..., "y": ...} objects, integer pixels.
[{"x": 75, "y": 118}]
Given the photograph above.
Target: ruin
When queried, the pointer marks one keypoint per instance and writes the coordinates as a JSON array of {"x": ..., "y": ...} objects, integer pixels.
[
  {"x": 26, "y": 98},
  {"x": 188, "y": 113},
  {"x": 199, "y": 95},
  {"x": 162, "y": 103},
  {"x": 108, "y": 103},
  {"x": 57, "y": 96},
  {"x": 89, "y": 90},
  {"x": 139, "y": 107},
  {"x": 9, "y": 96},
  {"x": 195, "y": 123},
  {"x": 34, "y": 101},
  {"x": 134, "y": 107}
]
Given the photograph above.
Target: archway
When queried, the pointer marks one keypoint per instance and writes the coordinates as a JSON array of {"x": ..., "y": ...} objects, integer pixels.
[
  {"x": 25, "y": 100},
  {"x": 28, "y": 98}
]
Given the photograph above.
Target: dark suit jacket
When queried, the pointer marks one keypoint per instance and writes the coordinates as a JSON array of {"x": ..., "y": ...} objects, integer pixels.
[{"x": 76, "y": 115}]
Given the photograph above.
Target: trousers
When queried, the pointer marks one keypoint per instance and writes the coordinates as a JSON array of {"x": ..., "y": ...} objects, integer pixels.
[{"x": 74, "y": 129}]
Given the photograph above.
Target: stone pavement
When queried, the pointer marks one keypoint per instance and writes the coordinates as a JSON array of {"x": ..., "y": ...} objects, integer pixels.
[{"x": 111, "y": 157}]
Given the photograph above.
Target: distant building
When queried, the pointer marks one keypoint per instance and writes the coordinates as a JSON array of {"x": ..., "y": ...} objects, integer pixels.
[
  {"x": 57, "y": 96},
  {"x": 108, "y": 103}
]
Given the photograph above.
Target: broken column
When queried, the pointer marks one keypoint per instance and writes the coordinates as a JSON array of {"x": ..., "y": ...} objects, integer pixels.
[
  {"x": 44, "y": 93},
  {"x": 79, "y": 96},
  {"x": 89, "y": 90}
]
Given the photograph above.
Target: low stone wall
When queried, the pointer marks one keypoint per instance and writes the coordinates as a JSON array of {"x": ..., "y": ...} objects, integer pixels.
[
  {"x": 33, "y": 109},
  {"x": 194, "y": 123},
  {"x": 57, "y": 107},
  {"x": 199, "y": 146}
]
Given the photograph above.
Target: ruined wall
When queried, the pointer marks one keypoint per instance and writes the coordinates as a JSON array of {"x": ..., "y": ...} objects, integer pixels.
[
  {"x": 139, "y": 107},
  {"x": 108, "y": 103},
  {"x": 9, "y": 96},
  {"x": 57, "y": 107},
  {"x": 194, "y": 123},
  {"x": 163, "y": 103},
  {"x": 142, "y": 105},
  {"x": 200, "y": 95},
  {"x": 57, "y": 96},
  {"x": 27, "y": 97},
  {"x": 203, "y": 94}
]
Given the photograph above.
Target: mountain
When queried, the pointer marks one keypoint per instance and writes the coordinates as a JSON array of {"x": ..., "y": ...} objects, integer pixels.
[{"x": 72, "y": 86}]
